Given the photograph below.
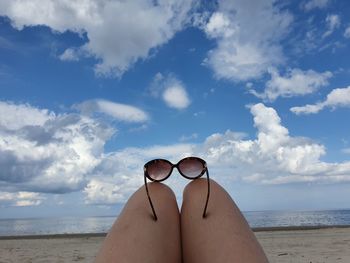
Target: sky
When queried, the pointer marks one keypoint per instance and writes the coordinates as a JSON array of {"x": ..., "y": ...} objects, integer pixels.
[{"x": 90, "y": 90}]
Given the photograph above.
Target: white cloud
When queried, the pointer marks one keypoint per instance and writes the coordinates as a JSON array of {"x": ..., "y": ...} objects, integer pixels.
[
  {"x": 171, "y": 90},
  {"x": 20, "y": 199},
  {"x": 245, "y": 48},
  {"x": 103, "y": 192},
  {"x": 274, "y": 157},
  {"x": 176, "y": 97},
  {"x": 336, "y": 98},
  {"x": 41, "y": 151},
  {"x": 295, "y": 83},
  {"x": 347, "y": 32},
  {"x": 46, "y": 152},
  {"x": 219, "y": 25},
  {"x": 333, "y": 22},
  {"x": 118, "y": 32},
  {"x": 118, "y": 111},
  {"x": 15, "y": 116},
  {"x": 312, "y": 4}
]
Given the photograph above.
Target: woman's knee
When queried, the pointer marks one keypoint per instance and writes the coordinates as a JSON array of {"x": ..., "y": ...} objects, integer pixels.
[
  {"x": 196, "y": 188},
  {"x": 195, "y": 197},
  {"x": 163, "y": 199},
  {"x": 159, "y": 191},
  {"x": 195, "y": 193}
]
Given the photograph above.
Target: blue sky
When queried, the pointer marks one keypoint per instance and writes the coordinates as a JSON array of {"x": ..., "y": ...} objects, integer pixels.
[{"x": 91, "y": 90}]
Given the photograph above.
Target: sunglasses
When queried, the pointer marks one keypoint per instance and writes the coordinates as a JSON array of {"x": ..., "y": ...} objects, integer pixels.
[{"x": 191, "y": 168}]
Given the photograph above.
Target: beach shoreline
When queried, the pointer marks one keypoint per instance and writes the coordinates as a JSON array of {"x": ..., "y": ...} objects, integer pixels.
[
  {"x": 103, "y": 234},
  {"x": 281, "y": 244}
]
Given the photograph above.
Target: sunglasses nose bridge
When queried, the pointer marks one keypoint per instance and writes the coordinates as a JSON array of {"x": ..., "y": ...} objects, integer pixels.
[{"x": 179, "y": 170}]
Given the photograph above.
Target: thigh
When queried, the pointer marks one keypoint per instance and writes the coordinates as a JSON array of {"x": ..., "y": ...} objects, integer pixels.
[
  {"x": 136, "y": 237},
  {"x": 223, "y": 236}
]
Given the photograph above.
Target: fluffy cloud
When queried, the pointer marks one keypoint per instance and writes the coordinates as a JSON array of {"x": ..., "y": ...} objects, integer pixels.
[
  {"x": 20, "y": 199},
  {"x": 105, "y": 192},
  {"x": 245, "y": 49},
  {"x": 176, "y": 97},
  {"x": 333, "y": 22},
  {"x": 41, "y": 151},
  {"x": 118, "y": 111},
  {"x": 295, "y": 83},
  {"x": 312, "y": 4},
  {"x": 114, "y": 37},
  {"x": 14, "y": 117},
  {"x": 171, "y": 90},
  {"x": 274, "y": 157},
  {"x": 336, "y": 98}
]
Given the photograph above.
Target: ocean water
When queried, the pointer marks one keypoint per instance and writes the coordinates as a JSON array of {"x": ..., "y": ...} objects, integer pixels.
[
  {"x": 70, "y": 225},
  {"x": 297, "y": 218}
]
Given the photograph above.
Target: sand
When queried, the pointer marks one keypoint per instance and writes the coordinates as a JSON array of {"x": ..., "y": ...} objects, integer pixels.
[{"x": 312, "y": 245}]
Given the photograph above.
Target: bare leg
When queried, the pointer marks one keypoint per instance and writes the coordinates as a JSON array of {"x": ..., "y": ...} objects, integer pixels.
[
  {"x": 223, "y": 236},
  {"x": 136, "y": 237}
]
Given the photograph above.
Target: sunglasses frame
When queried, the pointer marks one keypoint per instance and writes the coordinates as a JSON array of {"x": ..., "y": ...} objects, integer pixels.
[{"x": 205, "y": 170}]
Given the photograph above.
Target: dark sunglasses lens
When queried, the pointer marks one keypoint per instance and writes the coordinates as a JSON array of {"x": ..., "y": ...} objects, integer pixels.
[
  {"x": 158, "y": 169},
  {"x": 191, "y": 167}
]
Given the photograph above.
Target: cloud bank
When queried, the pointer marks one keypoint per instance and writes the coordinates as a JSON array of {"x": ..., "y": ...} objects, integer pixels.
[{"x": 61, "y": 153}]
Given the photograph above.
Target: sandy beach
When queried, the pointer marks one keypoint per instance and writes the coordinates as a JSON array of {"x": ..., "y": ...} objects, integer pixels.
[{"x": 280, "y": 245}]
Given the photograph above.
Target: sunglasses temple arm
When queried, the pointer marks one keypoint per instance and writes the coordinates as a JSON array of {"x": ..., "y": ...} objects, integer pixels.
[
  {"x": 208, "y": 193},
  {"x": 150, "y": 201}
]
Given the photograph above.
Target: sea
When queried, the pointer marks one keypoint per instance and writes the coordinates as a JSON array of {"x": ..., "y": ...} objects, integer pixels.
[{"x": 101, "y": 224}]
